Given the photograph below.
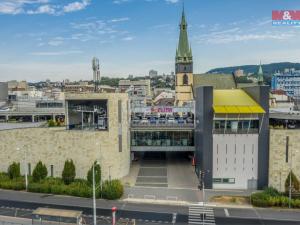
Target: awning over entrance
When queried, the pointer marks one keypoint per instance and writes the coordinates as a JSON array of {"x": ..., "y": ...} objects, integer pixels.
[{"x": 235, "y": 101}]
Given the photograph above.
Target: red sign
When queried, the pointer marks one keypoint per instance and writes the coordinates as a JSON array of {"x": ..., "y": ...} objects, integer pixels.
[
  {"x": 161, "y": 110},
  {"x": 286, "y": 15}
]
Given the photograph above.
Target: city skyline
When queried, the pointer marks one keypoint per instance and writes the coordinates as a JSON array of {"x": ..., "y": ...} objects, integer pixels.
[{"x": 57, "y": 39}]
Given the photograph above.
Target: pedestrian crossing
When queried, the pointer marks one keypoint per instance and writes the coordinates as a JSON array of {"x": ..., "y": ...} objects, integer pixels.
[{"x": 198, "y": 211}]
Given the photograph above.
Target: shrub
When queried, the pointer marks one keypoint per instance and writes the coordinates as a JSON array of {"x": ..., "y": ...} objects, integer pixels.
[
  {"x": 271, "y": 191},
  {"x": 16, "y": 184},
  {"x": 295, "y": 182},
  {"x": 97, "y": 174},
  {"x": 260, "y": 199},
  {"x": 51, "y": 123},
  {"x": 112, "y": 190},
  {"x": 69, "y": 173},
  {"x": 40, "y": 172},
  {"x": 14, "y": 170}
]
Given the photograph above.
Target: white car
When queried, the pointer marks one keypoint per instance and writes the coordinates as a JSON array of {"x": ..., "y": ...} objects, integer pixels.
[
  {"x": 5, "y": 109},
  {"x": 171, "y": 120},
  {"x": 144, "y": 121}
]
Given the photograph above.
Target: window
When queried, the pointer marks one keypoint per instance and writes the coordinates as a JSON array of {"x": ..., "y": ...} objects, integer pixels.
[
  {"x": 224, "y": 180},
  {"x": 185, "y": 79}
]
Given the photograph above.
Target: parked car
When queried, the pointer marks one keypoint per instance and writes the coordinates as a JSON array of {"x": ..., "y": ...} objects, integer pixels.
[
  {"x": 171, "y": 120},
  {"x": 180, "y": 120},
  {"x": 189, "y": 120},
  {"x": 5, "y": 109},
  {"x": 162, "y": 120},
  {"x": 144, "y": 121},
  {"x": 152, "y": 120}
]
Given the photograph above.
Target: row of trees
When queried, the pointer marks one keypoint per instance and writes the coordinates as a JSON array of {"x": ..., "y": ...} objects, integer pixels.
[{"x": 40, "y": 172}]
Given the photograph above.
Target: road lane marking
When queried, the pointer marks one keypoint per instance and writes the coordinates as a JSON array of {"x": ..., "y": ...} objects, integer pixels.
[{"x": 226, "y": 212}]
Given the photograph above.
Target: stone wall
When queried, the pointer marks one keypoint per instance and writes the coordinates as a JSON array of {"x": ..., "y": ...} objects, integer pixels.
[
  {"x": 55, "y": 145},
  {"x": 279, "y": 169}
]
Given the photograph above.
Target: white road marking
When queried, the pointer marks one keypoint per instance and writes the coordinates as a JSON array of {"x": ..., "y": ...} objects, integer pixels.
[{"x": 226, "y": 213}]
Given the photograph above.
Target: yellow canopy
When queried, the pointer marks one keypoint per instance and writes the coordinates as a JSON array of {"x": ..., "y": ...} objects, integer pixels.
[{"x": 235, "y": 101}]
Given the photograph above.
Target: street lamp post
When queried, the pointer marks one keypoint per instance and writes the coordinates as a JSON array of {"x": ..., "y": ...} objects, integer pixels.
[
  {"x": 94, "y": 193},
  {"x": 25, "y": 167}
]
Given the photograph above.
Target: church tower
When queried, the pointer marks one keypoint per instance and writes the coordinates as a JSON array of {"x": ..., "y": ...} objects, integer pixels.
[
  {"x": 183, "y": 66},
  {"x": 260, "y": 75}
]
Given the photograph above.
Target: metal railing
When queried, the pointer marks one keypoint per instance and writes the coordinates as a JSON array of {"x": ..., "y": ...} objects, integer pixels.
[
  {"x": 238, "y": 131},
  {"x": 159, "y": 125}
]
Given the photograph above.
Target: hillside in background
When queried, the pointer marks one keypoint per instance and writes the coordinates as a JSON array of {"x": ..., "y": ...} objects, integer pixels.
[{"x": 268, "y": 69}]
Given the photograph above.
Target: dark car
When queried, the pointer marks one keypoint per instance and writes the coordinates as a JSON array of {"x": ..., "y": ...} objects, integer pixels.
[
  {"x": 162, "y": 120},
  {"x": 152, "y": 120},
  {"x": 180, "y": 120}
]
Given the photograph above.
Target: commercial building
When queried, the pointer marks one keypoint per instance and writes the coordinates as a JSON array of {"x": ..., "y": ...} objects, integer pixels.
[
  {"x": 231, "y": 137},
  {"x": 83, "y": 141},
  {"x": 288, "y": 82}
]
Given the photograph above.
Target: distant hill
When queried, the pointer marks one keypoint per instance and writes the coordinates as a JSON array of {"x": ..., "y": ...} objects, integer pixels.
[{"x": 268, "y": 69}]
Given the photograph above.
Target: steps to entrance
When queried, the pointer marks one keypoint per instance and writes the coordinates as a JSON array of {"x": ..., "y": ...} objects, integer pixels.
[{"x": 199, "y": 214}]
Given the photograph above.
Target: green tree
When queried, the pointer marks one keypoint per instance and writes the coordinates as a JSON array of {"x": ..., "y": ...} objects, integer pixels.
[
  {"x": 40, "y": 172},
  {"x": 295, "y": 182},
  {"x": 14, "y": 170},
  {"x": 69, "y": 172},
  {"x": 97, "y": 174}
]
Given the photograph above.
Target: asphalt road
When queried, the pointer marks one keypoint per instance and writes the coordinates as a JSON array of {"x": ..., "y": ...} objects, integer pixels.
[{"x": 22, "y": 203}]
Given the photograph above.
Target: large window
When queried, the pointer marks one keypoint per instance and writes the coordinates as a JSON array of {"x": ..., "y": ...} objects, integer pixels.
[
  {"x": 162, "y": 138},
  {"x": 236, "y": 126}
]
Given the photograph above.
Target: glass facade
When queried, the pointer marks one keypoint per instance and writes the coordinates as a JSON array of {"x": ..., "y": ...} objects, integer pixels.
[
  {"x": 236, "y": 126},
  {"x": 162, "y": 138}
]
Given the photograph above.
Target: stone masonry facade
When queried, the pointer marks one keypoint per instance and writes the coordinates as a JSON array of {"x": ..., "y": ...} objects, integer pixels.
[
  {"x": 55, "y": 145},
  {"x": 279, "y": 169}
]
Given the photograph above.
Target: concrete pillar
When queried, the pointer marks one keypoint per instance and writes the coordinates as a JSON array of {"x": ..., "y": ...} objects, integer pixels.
[
  {"x": 33, "y": 119},
  {"x": 54, "y": 117},
  {"x": 6, "y": 118}
]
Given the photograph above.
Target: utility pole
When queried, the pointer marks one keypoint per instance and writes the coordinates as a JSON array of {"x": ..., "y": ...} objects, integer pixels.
[{"x": 94, "y": 195}]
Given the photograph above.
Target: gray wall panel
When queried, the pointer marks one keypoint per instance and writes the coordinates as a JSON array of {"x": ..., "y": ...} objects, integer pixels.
[
  {"x": 261, "y": 95},
  {"x": 203, "y": 133}
]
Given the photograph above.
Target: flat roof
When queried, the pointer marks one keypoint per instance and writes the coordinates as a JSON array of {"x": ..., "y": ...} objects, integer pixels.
[
  {"x": 235, "y": 101},
  {"x": 57, "y": 213}
]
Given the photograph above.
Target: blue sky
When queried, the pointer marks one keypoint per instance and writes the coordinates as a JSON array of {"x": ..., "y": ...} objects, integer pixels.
[{"x": 57, "y": 39}]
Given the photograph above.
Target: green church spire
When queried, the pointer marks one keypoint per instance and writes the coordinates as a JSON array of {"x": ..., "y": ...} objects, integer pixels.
[
  {"x": 260, "y": 75},
  {"x": 184, "y": 51}
]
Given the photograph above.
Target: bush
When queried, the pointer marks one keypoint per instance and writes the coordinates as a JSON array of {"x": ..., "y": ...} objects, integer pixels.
[
  {"x": 69, "y": 172},
  {"x": 112, "y": 190},
  {"x": 295, "y": 182},
  {"x": 16, "y": 184},
  {"x": 260, "y": 199},
  {"x": 271, "y": 191},
  {"x": 40, "y": 172},
  {"x": 97, "y": 174},
  {"x": 51, "y": 123},
  {"x": 14, "y": 170}
]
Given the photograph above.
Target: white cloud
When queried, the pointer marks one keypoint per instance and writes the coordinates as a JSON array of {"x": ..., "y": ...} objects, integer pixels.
[
  {"x": 129, "y": 38},
  {"x": 44, "y": 9},
  {"x": 120, "y": 1},
  {"x": 13, "y": 7},
  {"x": 76, "y": 6},
  {"x": 119, "y": 20},
  {"x": 172, "y": 1},
  {"x": 56, "y": 53}
]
